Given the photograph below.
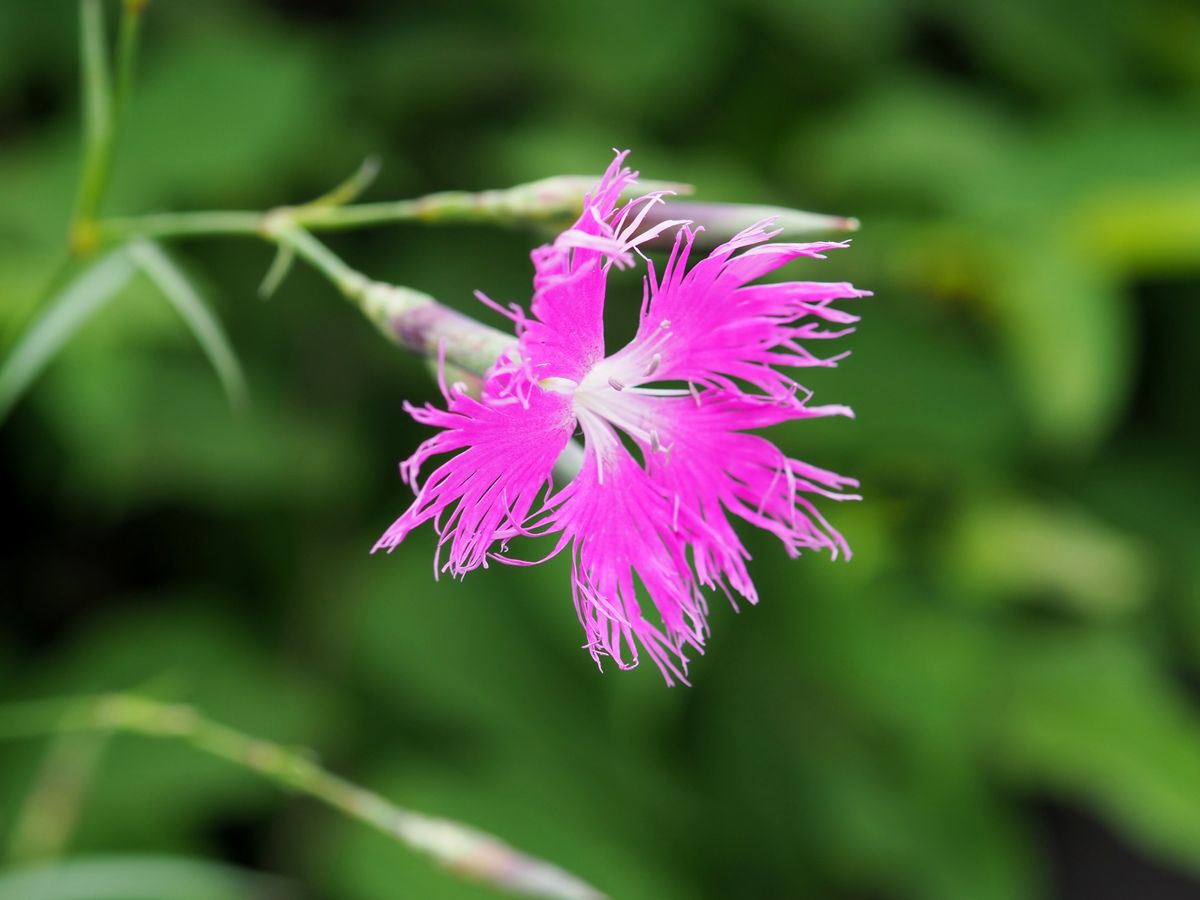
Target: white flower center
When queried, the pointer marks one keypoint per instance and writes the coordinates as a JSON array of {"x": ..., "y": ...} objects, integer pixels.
[{"x": 612, "y": 395}]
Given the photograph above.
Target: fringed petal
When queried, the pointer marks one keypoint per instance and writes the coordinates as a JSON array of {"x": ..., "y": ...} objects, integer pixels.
[
  {"x": 505, "y": 448},
  {"x": 707, "y": 326},
  {"x": 564, "y": 337},
  {"x": 618, "y": 526},
  {"x": 708, "y": 468},
  {"x": 699, "y": 377},
  {"x": 714, "y": 459}
]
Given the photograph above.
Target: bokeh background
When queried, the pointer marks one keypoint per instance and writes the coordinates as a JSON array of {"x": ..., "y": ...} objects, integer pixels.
[{"x": 996, "y": 699}]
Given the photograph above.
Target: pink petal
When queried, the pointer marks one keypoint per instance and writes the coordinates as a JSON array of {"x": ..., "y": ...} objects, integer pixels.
[
  {"x": 707, "y": 326},
  {"x": 618, "y": 525},
  {"x": 709, "y": 469},
  {"x": 661, "y": 528},
  {"x": 565, "y": 335},
  {"x": 482, "y": 496}
]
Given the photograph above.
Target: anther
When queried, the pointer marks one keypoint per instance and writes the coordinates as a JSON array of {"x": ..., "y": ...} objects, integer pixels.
[
  {"x": 616, "y": 385},
  {"x": 655, "y": 362}
]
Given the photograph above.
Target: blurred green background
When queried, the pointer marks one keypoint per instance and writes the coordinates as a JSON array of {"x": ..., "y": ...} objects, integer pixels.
[{"x": 997, "y": 698}]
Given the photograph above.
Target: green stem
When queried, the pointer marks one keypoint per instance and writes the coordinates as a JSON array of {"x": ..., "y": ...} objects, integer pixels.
[
  {"x": 446, "y": 206},
  {"x": 405, "y": 316},
  {"x": 408, "y": 317},
  {"x": 285, "y": 233},
  {"x": 127, "y": 47},
  {"x": 460, "y": 848},
  {"x": 97, "y": 119},
  {"x": 111, "y": 231},
  {"x": 551, "y": 201}
]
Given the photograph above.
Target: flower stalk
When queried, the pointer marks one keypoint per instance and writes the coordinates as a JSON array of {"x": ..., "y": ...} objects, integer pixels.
[
  {"x": 405, "y": 316},
  {"x": 464, "y": 850},
  {"x": 102, "y": 109},
  {"x": 545, "y": 203},
  {"x": 127, "y": 47},
  {"x": 97, "y": 121}
]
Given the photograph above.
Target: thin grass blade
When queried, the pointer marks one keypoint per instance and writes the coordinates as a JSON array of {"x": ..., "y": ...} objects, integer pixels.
[
  {"x": 62, "y": 317},
  {"x": 138, "y": 878},
  {"x": 178, "y": 290}
]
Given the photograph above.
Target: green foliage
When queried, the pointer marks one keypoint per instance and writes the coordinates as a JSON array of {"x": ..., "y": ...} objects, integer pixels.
[
  {"x": 1021, "y": 617},
  {"x": 64, "y": 314},
  {"x": 138, "y": 878},
  {"x": 176, "y": 288}
]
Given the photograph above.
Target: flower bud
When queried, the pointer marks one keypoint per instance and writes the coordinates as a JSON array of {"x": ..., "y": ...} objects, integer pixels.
[{"x": 721, "y": 221}]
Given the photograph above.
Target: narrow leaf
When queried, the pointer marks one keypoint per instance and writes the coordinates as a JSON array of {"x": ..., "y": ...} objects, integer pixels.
[
  {"x": 280, "y": 266},
  {"x": 179, "y": 292},
  {"x": 62, "y": 317},
  {"x": 349, "y": 190},
  {"x": 138, "y": 878}
]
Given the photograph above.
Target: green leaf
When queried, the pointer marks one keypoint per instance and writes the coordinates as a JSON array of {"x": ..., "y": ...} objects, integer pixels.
[
  {"x": 138, "y": 878},
  {"x": 187, "y": 301},
  {"x": 1067, "y": 332},
  {"x": 65, "y": 314},
  {"x": 1096, "y": 719},
  {"x": 1010, "y": 548},
  {"x": 280, "y": 266}
]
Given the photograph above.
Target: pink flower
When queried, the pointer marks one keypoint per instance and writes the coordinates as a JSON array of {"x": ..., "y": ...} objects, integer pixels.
[{"x": 703, "y": 372}]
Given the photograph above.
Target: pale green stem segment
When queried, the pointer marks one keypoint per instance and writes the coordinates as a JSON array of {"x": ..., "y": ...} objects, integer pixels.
[
  {"x": 97, "y": 117},
  {"x": 405, "y": 316},
  {"x": 102, "y": 109},
  {"x": 464, "y": 850},
  {"x": 549, "y": 201},
  {"x": 127, "y": 45},
  {"x": 117, "y": 230},
  {"x": 409, "y": 317}
]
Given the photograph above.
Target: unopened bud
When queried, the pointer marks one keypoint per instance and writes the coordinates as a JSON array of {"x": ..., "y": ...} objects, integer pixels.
[
  {"x": 721, "y": 221},
  {"x": 559, "y": 200}
]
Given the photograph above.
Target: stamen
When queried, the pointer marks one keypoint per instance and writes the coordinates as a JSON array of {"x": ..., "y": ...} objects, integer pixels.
[
  {"x": 655, "y": 362},
  {"x": 616, "y": 385},
  {"x": 694, "y": 392}
]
